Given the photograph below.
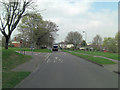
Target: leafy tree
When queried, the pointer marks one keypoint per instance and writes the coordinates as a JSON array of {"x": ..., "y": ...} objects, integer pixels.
[
  {"x": 83, "y": 44},
  {"x": 74, "y": 38},
  {"x": 33, "y": 27},
  {"x": 110, "y": 44},
  {"x": 13, "y": 12},
  {"x": 27, "y": 28},
  {"x": 117, "y": 38}
]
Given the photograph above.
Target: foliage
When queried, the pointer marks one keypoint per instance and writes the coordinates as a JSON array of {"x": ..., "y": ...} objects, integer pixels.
[
  {"x": 74, "y": 38},
  {"x": 34, "y": 29},
  {"x": 83, "y": 44},
  {"x": 13, "y": 12},
  {"x": 110, "y": 44},
  {"x": 117, "y": 38}
]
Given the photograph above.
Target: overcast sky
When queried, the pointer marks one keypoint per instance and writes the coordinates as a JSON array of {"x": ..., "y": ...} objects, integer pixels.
[{"x": 81, "y": 15}]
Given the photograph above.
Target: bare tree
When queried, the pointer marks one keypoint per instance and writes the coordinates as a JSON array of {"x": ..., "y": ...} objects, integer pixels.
[
  {"x": 14, "y": 11},
  {"x": 97, "y": 42},
  {"x": 74, "y": 38}
]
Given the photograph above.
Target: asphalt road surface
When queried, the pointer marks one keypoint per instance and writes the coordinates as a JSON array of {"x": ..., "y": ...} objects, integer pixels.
[{"x": 62, "y": 70}]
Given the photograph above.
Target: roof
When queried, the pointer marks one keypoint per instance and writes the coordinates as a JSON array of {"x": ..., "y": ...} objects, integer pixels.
[{"x": 15, "y": 42}]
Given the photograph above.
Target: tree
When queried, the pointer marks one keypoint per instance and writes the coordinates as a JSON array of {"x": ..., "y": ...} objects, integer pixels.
[
  {"x": 74, "y": 38},
  {"x": 46, "y": 34},
  {"x": 97, "y": 42},
  {"x": 33, "y": 27},
  {"x": 110, "y": 44},
  {"x": 117, "y": 38},
  {"x": 27, "y": 28},
  {"x": 83, "y": 44},
  {"x": 14, "y": 11}
]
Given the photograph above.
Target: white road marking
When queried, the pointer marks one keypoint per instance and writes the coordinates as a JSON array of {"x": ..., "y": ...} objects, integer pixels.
[
  {"x": 47, "y": 56},
  {"x": 37, "y": 67},
  {"x": 48, "y": 60},
  {"x": 61, "y": 61},
  {"x": 56, "y": 57}
]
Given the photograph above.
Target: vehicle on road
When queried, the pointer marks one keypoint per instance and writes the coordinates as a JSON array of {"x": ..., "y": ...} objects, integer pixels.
[{"x": 55, "y": 47}]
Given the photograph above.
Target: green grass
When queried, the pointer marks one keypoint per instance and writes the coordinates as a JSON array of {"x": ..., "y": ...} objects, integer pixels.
[
  {"x": 91, "y": 58},
  {"x": 11, "y": 59},
  {"x": 35, "y": 50},
  {"x": 98, "y": 53},
  {"x": 11, "y": 79}
]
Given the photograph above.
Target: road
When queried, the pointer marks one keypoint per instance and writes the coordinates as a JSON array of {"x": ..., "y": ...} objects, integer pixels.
[{"x": 63, "y": 70}]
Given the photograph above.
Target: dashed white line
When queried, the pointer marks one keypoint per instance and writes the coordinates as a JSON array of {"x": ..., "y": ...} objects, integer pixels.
[
  {"x": 48, "y": 60},
  {"x": 47, "y": 56}
]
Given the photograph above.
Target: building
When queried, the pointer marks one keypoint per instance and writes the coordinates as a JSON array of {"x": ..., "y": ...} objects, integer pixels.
[
  {"x": 16, "y": 43},
  {"x": 65, "y": 45}
]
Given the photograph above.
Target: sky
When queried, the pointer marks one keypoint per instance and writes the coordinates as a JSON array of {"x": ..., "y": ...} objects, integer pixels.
[
  {"x": 90, "y": 16},
  {"x": 81, "y": 15}
]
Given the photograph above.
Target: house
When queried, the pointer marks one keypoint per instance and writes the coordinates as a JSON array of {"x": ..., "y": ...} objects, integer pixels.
[
  {"x": 65, "y": 45},
  {"x": 16, "y": 43},
  {"x": 88, "y": 47}
]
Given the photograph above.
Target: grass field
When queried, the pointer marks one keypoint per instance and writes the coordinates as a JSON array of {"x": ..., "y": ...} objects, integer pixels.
[
  {"x": 11, "y": 59},
  {"x": 91, "y": 58},
  {"x": 35, "y": 50},
  {"x": 98, "y": 53}
]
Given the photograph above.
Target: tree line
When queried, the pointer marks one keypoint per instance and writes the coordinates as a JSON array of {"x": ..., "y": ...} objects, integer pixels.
[
  {"x": 110, "y": 44},
  {"x": 33, "y": 29}
]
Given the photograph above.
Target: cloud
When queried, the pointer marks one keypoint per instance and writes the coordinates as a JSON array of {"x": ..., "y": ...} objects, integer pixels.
[
  {"x": 64, "y": 8},
  {"x": 77, "y": 16}
]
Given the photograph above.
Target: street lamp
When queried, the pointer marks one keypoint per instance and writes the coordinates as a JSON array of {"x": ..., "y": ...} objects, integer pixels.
[{"x": 85, "y": 35}]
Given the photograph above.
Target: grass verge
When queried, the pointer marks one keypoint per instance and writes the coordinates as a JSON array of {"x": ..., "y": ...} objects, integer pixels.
[
  {"x": 11, "y": 59},
  {"x": 35, "y": 50},
  {"x": 93, "y": 59},
  {"x": 11, "y": 79},
  {"x": 98, "y": 53}
]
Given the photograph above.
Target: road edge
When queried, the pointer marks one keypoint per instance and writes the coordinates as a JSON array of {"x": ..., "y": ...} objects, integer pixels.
[{"x": 19, "y": 84}]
